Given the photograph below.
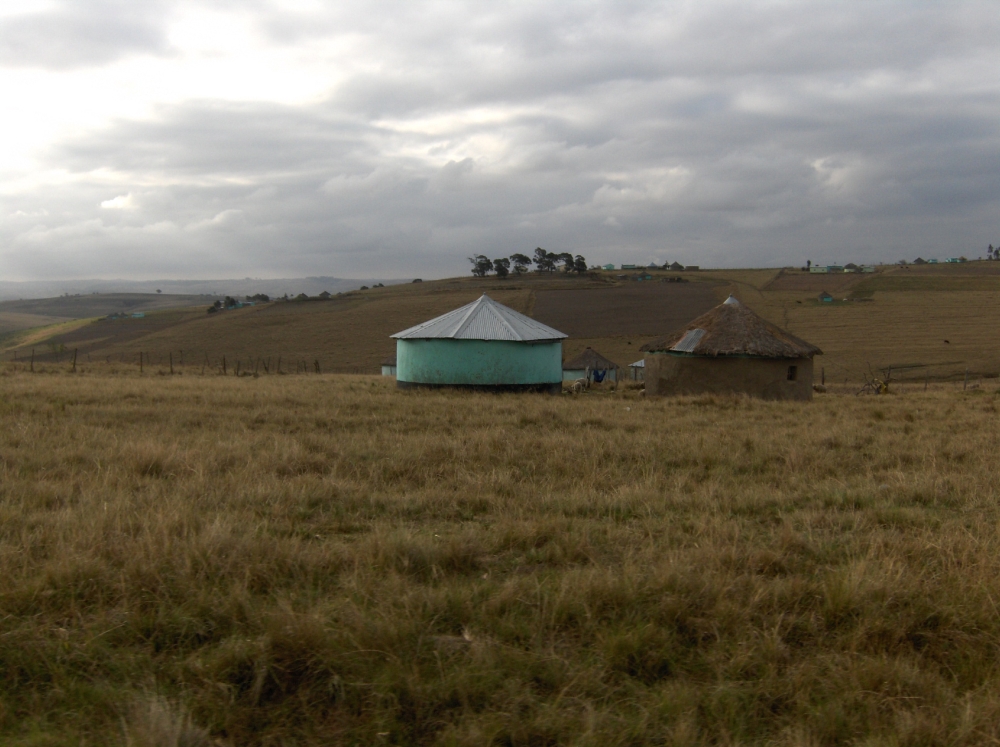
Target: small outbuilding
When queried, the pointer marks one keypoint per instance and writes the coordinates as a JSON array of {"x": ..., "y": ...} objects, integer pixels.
[
  {"x": 636, "y": 370},
  {"x": 730, "y": 350},
  {"x": 482, "y": 345},
  {"x": 590, "y": 365},
  {"x": 825, "y": 297},
  {"x": 389, "y": 366}
]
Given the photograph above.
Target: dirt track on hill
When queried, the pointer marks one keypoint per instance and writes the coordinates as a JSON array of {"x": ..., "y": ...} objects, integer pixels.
[{"x": 647, "y": 308}]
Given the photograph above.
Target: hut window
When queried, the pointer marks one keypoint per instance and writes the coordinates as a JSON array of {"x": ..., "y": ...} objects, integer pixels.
[{"x": 793, "y": 373}]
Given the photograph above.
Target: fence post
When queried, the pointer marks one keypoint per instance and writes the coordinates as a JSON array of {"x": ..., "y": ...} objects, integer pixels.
[
  {"x": 223, "y": 365},
  {"x": 140, "y": 362},
  {"x": 965, "y": 384},
  {"x": 74, "y": 360},
  {"x": 171, "y": 362},
  {"x": 32, "y": 360}
]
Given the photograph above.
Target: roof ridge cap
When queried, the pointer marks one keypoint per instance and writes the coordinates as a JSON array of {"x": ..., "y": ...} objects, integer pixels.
[
  {"x": 502, "y": 318},
  {"x": 473, "y": 307}
]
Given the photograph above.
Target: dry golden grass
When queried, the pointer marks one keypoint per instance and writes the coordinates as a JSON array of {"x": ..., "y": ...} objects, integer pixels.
[{"x": 318, "y": 560}]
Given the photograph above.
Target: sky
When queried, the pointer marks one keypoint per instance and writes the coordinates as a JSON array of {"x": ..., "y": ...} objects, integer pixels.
[{"x": 225, "y": 138}]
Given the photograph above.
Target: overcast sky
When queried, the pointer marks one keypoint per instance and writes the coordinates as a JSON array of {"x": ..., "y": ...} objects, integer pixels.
[{"x": 232, "y": 138}]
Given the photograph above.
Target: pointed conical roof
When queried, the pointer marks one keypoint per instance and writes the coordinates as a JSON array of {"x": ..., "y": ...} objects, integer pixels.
[
  {"x": 591, "y": 359},
  {"x": 483, "y": 319},
  {"x": 733, "y": 329}
]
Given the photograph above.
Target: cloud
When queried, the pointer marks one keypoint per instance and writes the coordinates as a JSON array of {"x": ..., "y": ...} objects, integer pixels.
[
  {"x": 76, "y": 33},
  {"x": 712, "y": 133}
]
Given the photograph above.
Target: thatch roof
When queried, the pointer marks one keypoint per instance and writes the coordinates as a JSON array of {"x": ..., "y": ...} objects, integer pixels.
[
  {"x": 591, "y": 359},
  {"x": 733, "y": 329}
]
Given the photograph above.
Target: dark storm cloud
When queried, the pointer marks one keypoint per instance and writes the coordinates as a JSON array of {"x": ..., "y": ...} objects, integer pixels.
[{"x": 721, "y": 133}]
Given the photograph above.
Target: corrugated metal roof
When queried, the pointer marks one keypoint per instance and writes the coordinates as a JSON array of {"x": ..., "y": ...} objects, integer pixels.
[
  {"x": 483, "y": 319},
  {"x": 690, "y": 339},
  {"x": 638, "y": 364}
]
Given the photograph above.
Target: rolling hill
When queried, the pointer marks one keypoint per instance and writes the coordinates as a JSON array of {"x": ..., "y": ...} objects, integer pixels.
[{"x": 932, "y": 321}]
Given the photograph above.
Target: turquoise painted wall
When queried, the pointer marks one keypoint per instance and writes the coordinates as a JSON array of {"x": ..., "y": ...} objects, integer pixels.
[{"x": 478, "y": 362}]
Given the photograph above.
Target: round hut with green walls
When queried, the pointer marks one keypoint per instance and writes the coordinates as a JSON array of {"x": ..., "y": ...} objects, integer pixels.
[{"x": 482, "y": 345}]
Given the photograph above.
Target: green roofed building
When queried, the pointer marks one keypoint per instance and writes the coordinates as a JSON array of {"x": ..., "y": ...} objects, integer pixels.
[{"x": 482, "y": 345}]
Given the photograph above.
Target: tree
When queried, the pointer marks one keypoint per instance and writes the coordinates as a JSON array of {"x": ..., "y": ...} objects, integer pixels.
[
  {"x": 542, "y": 261},
  {"x": 809, "y": 263},
  {"x": 501, "y": 267},
  {"x": 481, "y": 265},
  {"x": 521, "y": 262},
  {"x": 991, "y": 253},
  {"x": 567, "y": 259},
  {"x": 230, "y": 302},
  {"x": 579, "y": 264}
]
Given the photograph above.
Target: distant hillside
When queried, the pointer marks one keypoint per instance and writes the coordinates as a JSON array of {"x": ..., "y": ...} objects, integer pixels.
[
  {"x": 311, "y": 286},
  {"x": 937, "y": 322},
  {"x": 16, "y": 316}
]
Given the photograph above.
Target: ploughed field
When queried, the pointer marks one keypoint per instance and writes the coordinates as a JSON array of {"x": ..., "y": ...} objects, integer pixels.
[
  {"x": 631, "y": 309},
  {"x": 319, "y": 560}
]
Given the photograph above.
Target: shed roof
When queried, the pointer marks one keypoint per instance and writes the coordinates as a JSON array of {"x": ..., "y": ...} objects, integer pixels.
[
  {"x": 591, "y": 359},
  {"x": 733, "y": 329},
  {"x": 483, "y": 319}
]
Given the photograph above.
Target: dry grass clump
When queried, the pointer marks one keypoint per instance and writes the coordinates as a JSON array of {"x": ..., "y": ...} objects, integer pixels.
[{"x": 325, "y": 560}]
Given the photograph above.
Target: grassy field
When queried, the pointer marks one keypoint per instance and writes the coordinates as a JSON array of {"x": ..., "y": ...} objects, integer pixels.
[{"x": 317, "y": 560}]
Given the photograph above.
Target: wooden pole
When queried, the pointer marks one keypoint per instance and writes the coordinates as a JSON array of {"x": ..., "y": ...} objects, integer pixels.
[
  {"x": 171, "y": 362},
  {"x": 32, "y": 360},
  {"x": 822, "y": 376},
  {"x": 237, "y": 366},
  {"x": 965, "y": 384},
  {"x": 74, "y": 360},
  {"x": 223, "y": 365},
  {"x": 140, "y": 362}
]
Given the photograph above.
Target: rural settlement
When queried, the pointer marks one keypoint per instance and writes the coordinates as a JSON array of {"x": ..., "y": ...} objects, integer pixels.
[{"x": 486, "y": 345}]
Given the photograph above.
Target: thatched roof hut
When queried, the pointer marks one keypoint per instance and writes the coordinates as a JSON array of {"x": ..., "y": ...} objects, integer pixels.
[
  {"x": 730, "y": 349},
  {"x": 589, "y": 363}
]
